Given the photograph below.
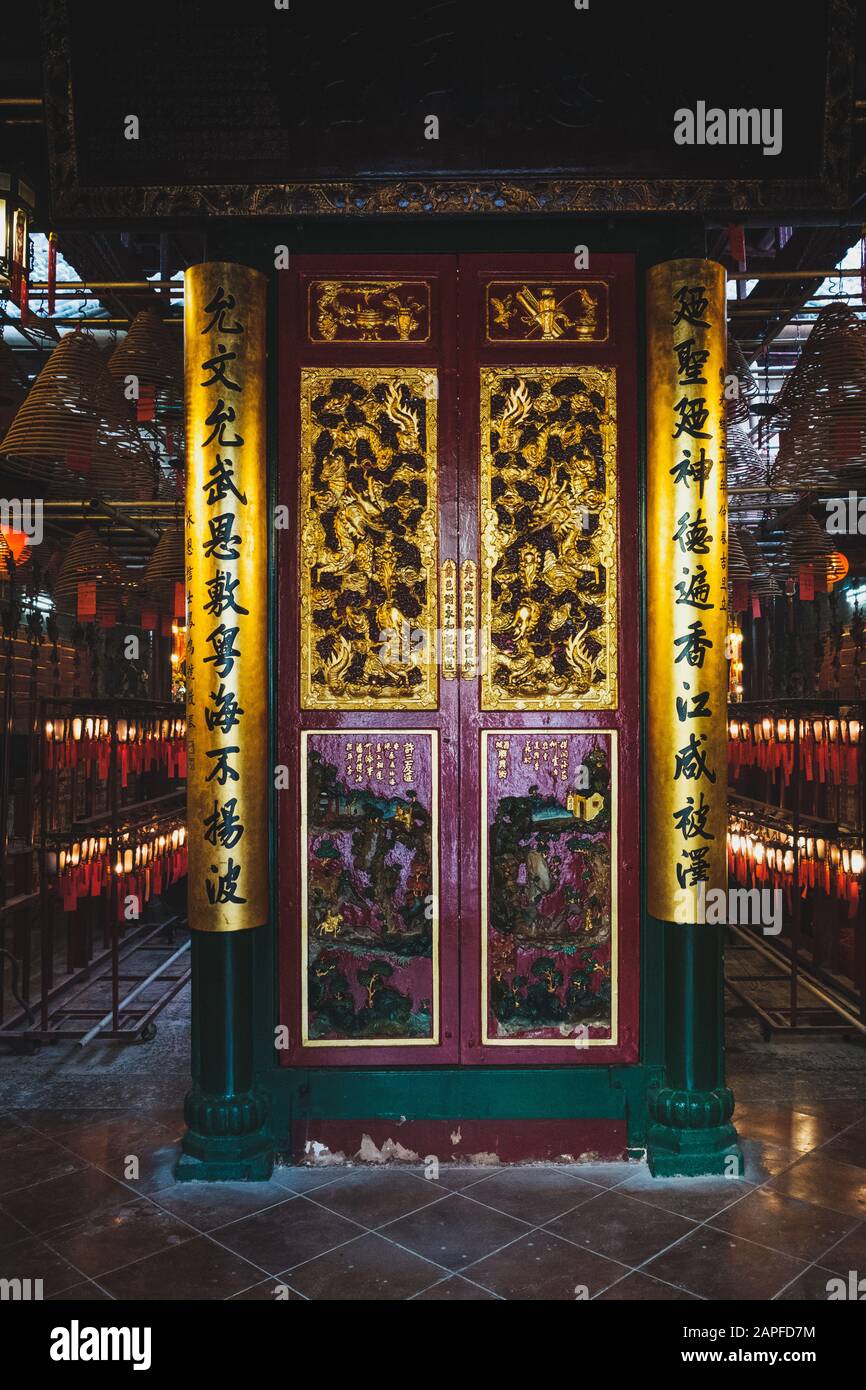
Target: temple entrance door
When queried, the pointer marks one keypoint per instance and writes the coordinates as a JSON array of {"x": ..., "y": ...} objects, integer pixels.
[
  {"x": 369, "y": 731},
  {"x": 458, "y": 661},
  {"x": 549, "y": 694}
]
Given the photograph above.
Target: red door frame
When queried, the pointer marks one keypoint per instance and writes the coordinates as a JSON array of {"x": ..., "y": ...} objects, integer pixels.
[{"x": 457, "y": 290}]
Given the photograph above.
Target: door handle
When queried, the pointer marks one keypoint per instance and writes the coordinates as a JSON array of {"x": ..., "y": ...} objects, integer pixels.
[
  {"x": 448, "y": 591},
  {"x": 469, "y": 620}
]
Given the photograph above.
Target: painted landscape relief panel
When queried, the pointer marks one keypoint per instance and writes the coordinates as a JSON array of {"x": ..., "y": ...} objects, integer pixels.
[
  {"x": 369, "y": 837},
  {"x": 549, "y": 937}
]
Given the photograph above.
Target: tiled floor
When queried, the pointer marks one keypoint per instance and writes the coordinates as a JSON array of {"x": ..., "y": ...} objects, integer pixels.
[{"x": 88, "y": 1204}]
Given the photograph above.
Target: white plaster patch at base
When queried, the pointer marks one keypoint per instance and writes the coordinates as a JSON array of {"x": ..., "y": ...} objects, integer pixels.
[
  {"x": 390, "y": 1152},
  {"x": 319, "y": 1155}
]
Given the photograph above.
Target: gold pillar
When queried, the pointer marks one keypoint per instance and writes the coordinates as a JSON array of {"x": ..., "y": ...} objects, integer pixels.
[
  {"x": 226, "y": 547},
  {"x": 687, "y": 521}
]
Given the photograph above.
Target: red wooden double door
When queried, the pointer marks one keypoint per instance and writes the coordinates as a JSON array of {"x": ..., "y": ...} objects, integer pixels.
[{"x": 458, "y": 664}]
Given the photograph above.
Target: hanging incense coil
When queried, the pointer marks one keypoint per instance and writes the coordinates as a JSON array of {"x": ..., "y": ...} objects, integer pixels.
[
  {"x": 152, "y": 354},
  {"x": 822, "y": 405},
  {"x": 762, "y": 582},
  {"x": 165, "y": 568},
  {"x": 737, "y": 407},
  {"x": 88, "y": 560},
  {"x": 746, "y": 467},
  {"x": 803, "y": 543},
  {"x": 739, "y": 572},
  {"x": 796, "y": 473},
  {"x": 73, "y": 433},
  {"x": 738, "y": 566}
]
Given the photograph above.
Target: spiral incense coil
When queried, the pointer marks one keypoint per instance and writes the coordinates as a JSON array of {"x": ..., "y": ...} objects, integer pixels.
[
  {"x": 89, "y": 560},
  {"x": 73, "y": 433},
  {"x": 762, "y": 582},
  {"x": 746, "y": 467},
  {"x": 737, "y": 407},
  {"x": 165, "y": 567},
  {"x": 822, "y": 406},
  {"x": 803, "y": 543},
  {"x": 738, "y": 566},
  {"x": 151, "y": 353}
]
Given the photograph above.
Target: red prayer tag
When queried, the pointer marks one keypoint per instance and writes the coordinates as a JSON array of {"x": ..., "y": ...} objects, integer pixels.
[{"x": 87, "y": 599}]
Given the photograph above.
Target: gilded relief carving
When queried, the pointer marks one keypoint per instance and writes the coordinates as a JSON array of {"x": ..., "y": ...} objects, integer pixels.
[
  {"x": 549, "y": 538},
  {"x": 368, "y": 541},
  {"x": 566, "y": 311},
  {"x": 369, "y": 311}
]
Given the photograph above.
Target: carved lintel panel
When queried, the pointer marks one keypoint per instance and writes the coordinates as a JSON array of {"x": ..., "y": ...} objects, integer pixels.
[
  {"x": 560, "y": 311},
  {"x": 549, "y": 538},
  {"x": 368, "y": 541},
  {"x": 368, "y": 311}
]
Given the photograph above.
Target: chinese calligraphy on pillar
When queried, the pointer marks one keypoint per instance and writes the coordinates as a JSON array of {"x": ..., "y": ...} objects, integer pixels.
[
  {"x": 226, "y": 590},
  {"x": 687, "y": 561}
]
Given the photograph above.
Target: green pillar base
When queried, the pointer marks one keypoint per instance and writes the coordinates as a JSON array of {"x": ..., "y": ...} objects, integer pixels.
[
  {"x": 256, "y": 1167},
  {"x": 227, "y": 1139},
  {"x": 690, "y": 1134}
]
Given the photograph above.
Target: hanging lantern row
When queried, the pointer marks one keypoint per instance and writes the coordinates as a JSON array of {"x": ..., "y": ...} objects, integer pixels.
[
  {"x": 827, "y": 745},
  {"x": 765, "y": 859},
  {"x": 735, "y": 667},
  {"x": 142, "y": 867},
  {"x": 142, "y": 744}
]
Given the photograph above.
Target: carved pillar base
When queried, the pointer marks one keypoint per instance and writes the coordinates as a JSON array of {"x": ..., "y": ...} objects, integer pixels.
[
  {"x": 228, "y": 1137},
  {"x": 689, "y": 1129},
  {"x": 690, "y": 1134},
  {"x": 226, "y": 1140}
]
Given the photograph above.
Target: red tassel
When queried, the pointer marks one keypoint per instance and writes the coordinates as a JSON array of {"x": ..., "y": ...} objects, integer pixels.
[
  {"x": 145, "y": 406},
  {"x": 737, "y": 244},
  {"x": 86, "y": 600},
  {"x": 835, "y": 764},
  {"x": 851, "y": 761}
]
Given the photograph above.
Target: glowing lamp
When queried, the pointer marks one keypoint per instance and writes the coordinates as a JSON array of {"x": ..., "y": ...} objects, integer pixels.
[{"x": 837, "y": 568}]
